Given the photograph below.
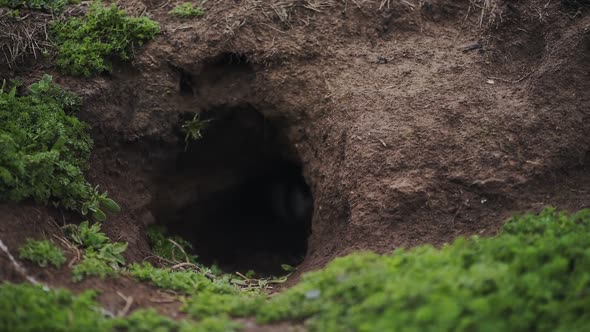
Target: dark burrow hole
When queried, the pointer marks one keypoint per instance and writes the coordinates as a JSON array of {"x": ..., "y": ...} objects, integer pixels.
[
  {"x": 186, "y": 82},
  {"x": 238, "y": 194}
]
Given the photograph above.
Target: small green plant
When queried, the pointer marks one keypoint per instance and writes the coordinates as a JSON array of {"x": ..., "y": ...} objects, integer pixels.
[
  {"x": 187, "y": 9},
  {"x": 45, "y": 89},
  {"x": 86, "y": 235},
  {"x": 172, "y": 248},
  {"x": 186, "y": 281},
  {"x": 48, "y": 5},
  {"x": 193, "y": 129},
  {"x": 15, "y": 13},
  {"x": 42, "y": 253},
  {"x": 43, "y": 148},
  {"x": 101, "y": 257},
  {"x": 104, "y": 262},
  {"x": 288, "y": 268},
  {"x": 91, "y": 265},
  {"x": 212, "y": 295},
  {"x": 87, "y": 44},
  {"x": 96, "y": 204},
  {"x": 32, "y": 308}
]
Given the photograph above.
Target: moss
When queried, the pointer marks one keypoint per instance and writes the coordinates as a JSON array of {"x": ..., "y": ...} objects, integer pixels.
[
  {"x": 47, "y": 5},
  {"x": 31, "y": 308},
  {"x": 148, "y": 320},
  {"x": 92, "y": 266},
  {"x": 43, "y": 148},
  {"x": 42, "y": 253},
  {"x": 86, "y": 45},
  {"x": 534, "y": 276},
  {"x": 187, "y": 9}
]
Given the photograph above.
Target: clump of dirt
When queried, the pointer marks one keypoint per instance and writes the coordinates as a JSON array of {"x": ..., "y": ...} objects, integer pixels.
[{"x": 406, "y": 122}]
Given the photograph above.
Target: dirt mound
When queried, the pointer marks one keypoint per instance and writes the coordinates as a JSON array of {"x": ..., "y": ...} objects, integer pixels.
[{"x": 411, "y": 122}]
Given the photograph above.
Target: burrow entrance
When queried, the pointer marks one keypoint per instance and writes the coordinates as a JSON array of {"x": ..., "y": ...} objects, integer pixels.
[{"x": 238, "y": 194}]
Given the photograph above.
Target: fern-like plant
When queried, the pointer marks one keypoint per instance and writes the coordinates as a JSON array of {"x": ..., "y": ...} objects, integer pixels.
[
  {"x": 86, "y": 45},
  {"x": 42, "y": 253}
]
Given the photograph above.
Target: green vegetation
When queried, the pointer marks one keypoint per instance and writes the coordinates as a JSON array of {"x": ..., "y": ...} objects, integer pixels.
[
  {"x": 534, "y": 276},
  {"x": 92, "y": 266},
  {"x": 49, "y": 5},
  {"x": 87, "y": 44},
  {"x": 31, "y": 308},
  {"x": 148, "y": 320},
  {"x": 193, "y": 129},
  {"x": 187, "y": 9},
  {"x": 206, "y": 304},
  {"x": 96, "y": 204},
  {"x": 213, "y": 295},
  {"x": 173, "y": 249},
  {"x": 187, "y": 282},
  {"x": 44, "y": 149},
  {"x": 101, "y": 257},
  {"x": 42, "y": 253},
  {"x": 86, "y": 235}
]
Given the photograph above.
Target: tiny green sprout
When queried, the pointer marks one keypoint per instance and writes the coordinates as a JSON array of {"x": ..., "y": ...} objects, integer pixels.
[
  {"x": 15, "y": 13},
  {"x": 288, "y": 268},
  {"x": 193, "y": 129},
  {"x": 187, "y": 9}
]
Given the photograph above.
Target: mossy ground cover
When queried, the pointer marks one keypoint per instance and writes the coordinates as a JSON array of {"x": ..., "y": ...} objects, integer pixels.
[
  {"x": 48, "y": 5},
  {"x": 187, "y": 9},
  {"x": 533, "y": 276},
  {"x": 87, "y": 45},
  {"x": 44, "y": 148},
  {"x": 32, "y": 308},
  {"x": 42, "y": 253}
]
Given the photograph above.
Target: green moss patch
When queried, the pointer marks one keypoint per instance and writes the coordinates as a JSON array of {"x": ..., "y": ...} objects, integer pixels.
[
  {"x": 31, "y": 308},
  {"x": 87, "y": 45},
  {"x": 44, "y": 148},
  {"x": 42, "y": 253},
  {"x": 534, "y": 276},
  {"x": 48, "y": 5},
  {"x": 187, "y": 9}
]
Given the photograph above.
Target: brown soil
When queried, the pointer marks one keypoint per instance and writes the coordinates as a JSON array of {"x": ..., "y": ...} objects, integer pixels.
[{"x": 413, "y": 122}]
